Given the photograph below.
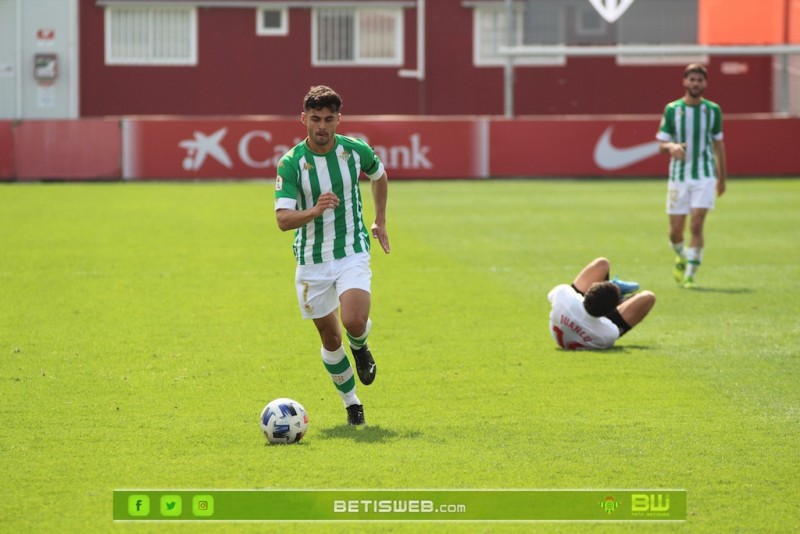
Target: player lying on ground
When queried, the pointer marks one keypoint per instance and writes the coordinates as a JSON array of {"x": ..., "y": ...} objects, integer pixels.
[{"x": 593, "y": 313}]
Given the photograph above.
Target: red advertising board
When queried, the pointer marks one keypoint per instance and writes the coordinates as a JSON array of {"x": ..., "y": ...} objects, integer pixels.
[
  {"x": 761, "y": 146},
  {"x": 250, "y": 148},
  {"x": 626, "y": 147},
  {"x": 410, "y": 147},
  {"x": 575, "y": 147},
  {"x": 86, "y": 149},
  {"x": 6, "y": 150}
]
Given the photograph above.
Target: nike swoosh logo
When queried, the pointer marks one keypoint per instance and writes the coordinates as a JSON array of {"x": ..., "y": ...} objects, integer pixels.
[{"x": 611, "y": 158}]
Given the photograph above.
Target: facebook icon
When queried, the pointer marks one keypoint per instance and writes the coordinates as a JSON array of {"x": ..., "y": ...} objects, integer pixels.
[{"x": 138, "y": 505}]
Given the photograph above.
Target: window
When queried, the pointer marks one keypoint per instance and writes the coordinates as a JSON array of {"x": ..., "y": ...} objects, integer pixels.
[
  {"x": 272, "y": 21},
  {"x": 489, "y": 34},
  {"x": 357, "y": 36},
  {"x": 151, "y": 35},
  {"x": 585, "y": 26},
  {"x": 589, "y": 22}
]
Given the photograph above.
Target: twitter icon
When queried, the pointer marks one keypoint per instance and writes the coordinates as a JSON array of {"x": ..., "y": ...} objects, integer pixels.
[{"x": 171, "y": 505}]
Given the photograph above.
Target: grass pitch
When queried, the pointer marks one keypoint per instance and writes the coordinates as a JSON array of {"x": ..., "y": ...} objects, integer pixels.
[{"x": 143, "y": 327}]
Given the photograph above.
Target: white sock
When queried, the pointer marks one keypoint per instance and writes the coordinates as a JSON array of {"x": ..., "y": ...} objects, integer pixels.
[{"x": 678, "y": 248}]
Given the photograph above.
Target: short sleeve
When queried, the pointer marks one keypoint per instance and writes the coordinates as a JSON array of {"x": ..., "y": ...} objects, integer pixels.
[
  {"x": 286, "y": 182},
  {"x": 666, "y": 130}
]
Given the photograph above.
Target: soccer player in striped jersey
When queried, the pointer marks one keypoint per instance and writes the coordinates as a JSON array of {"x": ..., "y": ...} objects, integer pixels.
[
  {"x": 691, "y": 133},
  {"x": 317, "y": 195}
]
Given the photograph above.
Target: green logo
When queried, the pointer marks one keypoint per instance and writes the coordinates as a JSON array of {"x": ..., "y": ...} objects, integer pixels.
[
  {"x": 651, "y": 504},
  {"x": 138, "y": 505},
  {"x": 609, "y": 504},
  {"x": 171, "y": 505},
  {"x": 203, "y": 505}
]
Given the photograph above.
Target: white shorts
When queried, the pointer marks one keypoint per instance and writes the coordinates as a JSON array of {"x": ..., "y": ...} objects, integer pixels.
[
  {"x": 682, "y": 197},
  {"x": 319, "y": 285}
]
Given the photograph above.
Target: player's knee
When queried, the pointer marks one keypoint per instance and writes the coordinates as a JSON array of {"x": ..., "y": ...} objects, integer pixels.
[
  {"x": 331, "y": 341},
  {"x": 331, "y": 336},
  {"x": 602, "y": 263},
  {"x": 696, "y": 226},
  {"x": 355, "y": 325},
  {"x": 648, "y": 297}
]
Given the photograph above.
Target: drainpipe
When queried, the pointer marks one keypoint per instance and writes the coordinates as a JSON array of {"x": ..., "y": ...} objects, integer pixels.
[
  {"x": 508, "y": 68},
  {"x": 19, "y": 71}
]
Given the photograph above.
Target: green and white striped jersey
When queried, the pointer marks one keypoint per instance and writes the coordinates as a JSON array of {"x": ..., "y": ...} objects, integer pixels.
[
  {"x": 697, "y": 126},
  {"x": 303, "y": 175}
]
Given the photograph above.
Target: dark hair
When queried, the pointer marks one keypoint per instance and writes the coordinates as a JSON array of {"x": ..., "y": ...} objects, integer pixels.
[
  {"x": 601, "y": 299},
  {"x": 695, "y": 68},
  {"x": 322, "y": 96}
]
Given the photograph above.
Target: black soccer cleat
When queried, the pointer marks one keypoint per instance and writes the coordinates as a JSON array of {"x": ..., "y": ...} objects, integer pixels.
[
  {"x": 355, "y": 415},
  {"x": 365, "y": 365}
]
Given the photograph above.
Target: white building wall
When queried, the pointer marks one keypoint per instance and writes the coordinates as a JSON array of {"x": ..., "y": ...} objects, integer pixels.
[{"x": 28, "y": 28}]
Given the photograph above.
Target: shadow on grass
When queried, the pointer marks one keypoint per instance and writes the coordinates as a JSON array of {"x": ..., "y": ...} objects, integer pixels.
[
  {"x": 365, "y": 434},
  {"x": 728, "y": 290},
  {"x": 626, "y": 348},
  {"x": 620, "y": 349}
]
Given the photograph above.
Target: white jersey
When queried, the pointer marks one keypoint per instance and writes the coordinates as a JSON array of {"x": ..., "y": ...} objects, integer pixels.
[{"x": 572, "y": 327}]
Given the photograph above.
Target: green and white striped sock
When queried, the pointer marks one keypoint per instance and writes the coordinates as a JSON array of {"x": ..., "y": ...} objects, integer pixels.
[
  {"x": 678, "y": 248},
  {"x": 694, "y": 257},
  {"x": 358, "y": 342},
  {"x": 338, "y": 366}
]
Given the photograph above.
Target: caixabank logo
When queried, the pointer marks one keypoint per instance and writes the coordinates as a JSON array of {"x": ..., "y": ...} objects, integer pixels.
[
  {"x": 256, "y": 149},
  {"x": 250, "y": 148}
]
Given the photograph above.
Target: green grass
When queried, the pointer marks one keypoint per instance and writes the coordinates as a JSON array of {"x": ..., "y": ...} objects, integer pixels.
[{"x": 143, "y": 327}]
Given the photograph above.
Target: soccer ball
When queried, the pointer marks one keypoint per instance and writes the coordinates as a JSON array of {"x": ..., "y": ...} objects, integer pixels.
[{"x": 284, "y": 421}]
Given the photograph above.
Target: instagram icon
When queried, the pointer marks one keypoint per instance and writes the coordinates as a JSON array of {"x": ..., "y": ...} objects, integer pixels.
[{"x": 203, "y": 505}]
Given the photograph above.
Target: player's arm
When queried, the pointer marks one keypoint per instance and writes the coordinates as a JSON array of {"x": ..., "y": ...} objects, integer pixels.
[
  {"x": 675, "y": 150},
  {"x": 291, "y": 219},
  {"x": 380, "y": 196},
  {"x": 722, "y": 166},
  {"x": 666, "y": 134}
]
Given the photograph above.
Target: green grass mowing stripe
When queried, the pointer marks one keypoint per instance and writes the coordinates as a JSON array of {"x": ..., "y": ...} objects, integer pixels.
[{"x": 146, "y": 325}]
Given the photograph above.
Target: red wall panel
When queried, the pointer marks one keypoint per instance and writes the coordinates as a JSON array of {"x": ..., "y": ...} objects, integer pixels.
[
  {"x": 598, "y": 86},
  {"x": 6, "y": 150},
  {"x": 82, "y": 149},
  {"x": 760, "y": 147}
]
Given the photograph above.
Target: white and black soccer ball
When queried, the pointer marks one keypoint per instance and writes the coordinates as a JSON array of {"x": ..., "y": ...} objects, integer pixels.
[{"x": 284, "y": 421}]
